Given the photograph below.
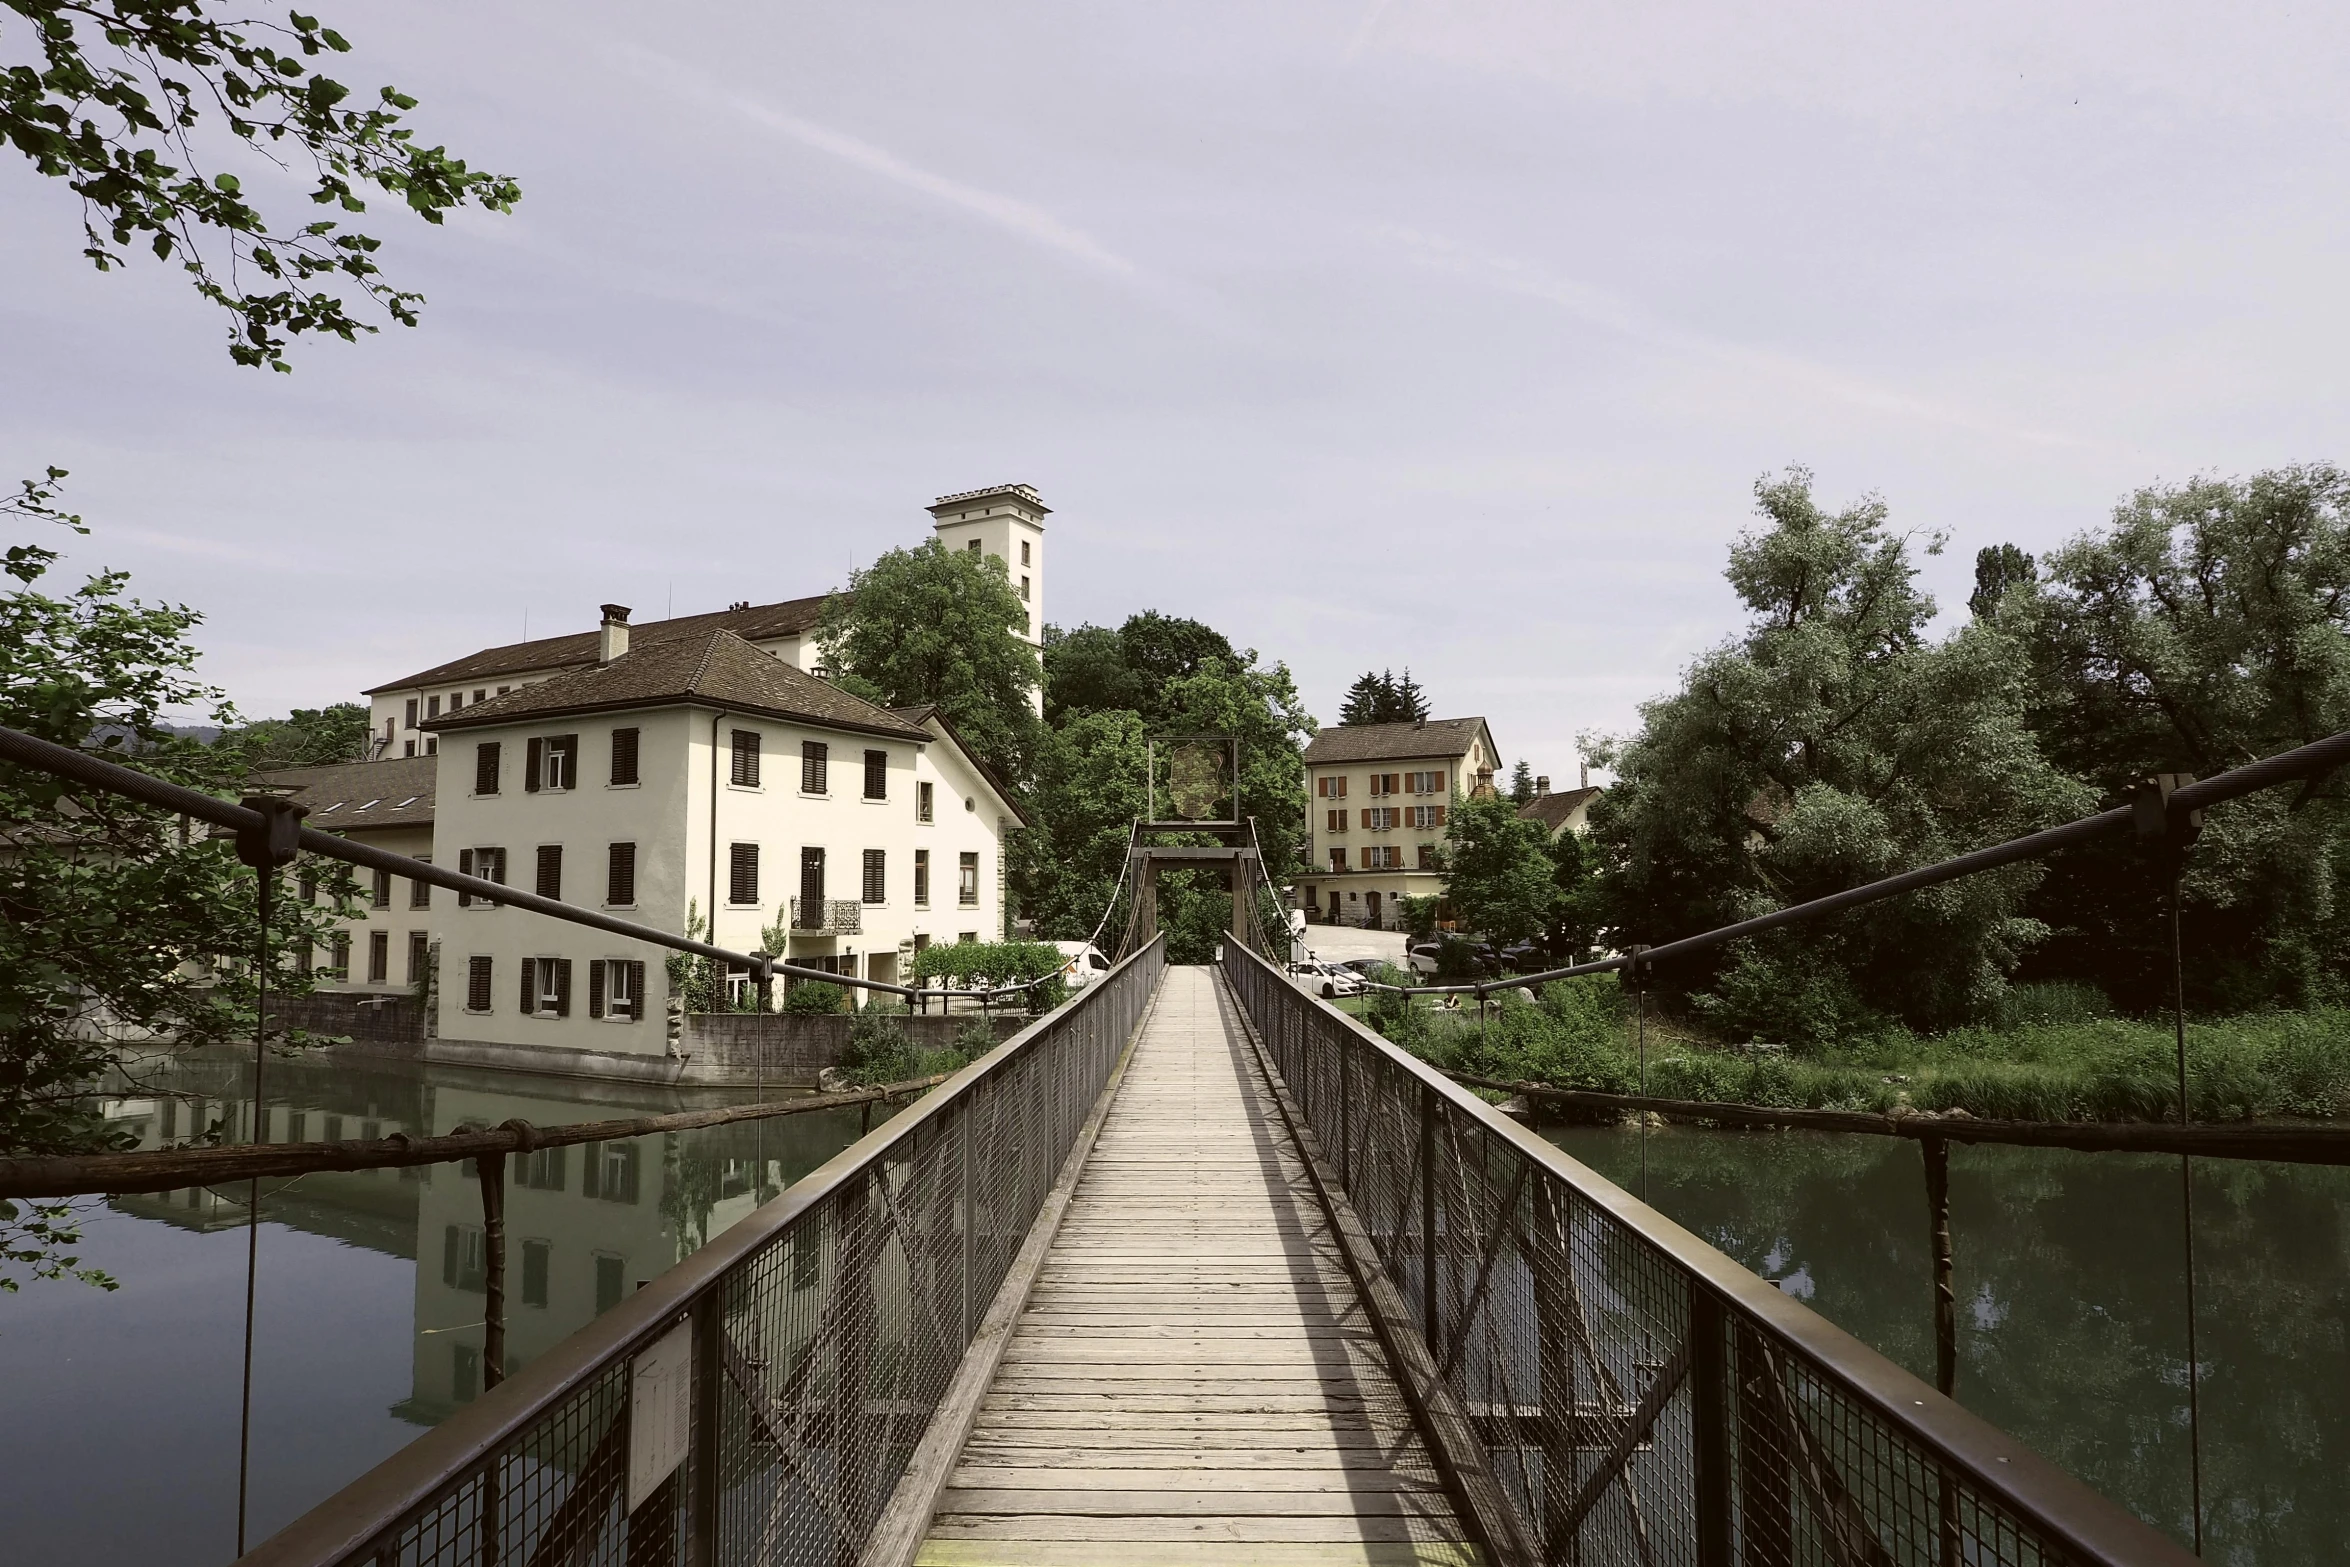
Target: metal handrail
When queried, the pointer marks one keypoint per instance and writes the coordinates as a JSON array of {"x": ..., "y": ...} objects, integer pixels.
[
  {"x": 1993, "y": 1463},
  {"x": 421, "y": 1474}
]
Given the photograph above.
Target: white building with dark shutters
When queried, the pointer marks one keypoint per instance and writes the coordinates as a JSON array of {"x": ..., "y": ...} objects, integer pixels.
[
  {"x": 697, "y": 772},
  {"x": 697, "y": 783}
]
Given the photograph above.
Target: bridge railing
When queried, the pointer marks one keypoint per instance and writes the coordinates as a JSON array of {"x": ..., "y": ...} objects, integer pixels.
[
  {"x": 1633, "y": 1394},
  {"x": 758, "y": 1402}
]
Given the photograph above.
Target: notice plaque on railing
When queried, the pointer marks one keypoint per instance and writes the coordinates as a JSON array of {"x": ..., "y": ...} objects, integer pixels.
[{"x": 660, "y": 1411}]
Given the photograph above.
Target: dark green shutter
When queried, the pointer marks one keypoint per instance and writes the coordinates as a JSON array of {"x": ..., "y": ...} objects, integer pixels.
[
  {"x": 530, "y": 980},
  {"x": 595, "y": 987},
  {"x": 636, "y": 992},
  {"x": 562, "y": 986},
  {"x": 533, "y": 758}
]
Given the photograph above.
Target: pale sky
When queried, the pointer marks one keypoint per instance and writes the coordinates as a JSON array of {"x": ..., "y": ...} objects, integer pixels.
[{"x": 1444, "y": 335}]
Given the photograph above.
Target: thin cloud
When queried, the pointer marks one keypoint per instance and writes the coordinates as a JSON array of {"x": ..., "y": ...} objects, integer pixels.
[
  {"x": 1023, "y": 219},
  {"x": 1613, "y": 313}
]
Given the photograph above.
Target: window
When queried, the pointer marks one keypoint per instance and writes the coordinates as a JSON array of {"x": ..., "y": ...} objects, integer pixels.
[
  {"x": 552, "y": 763},
  {"x": 534, "y": 1265},
  {"x": 464, "y": 1257},
  {"x": 420, "y": 892},
  {"x": 610, "y": 1174},
  {"x": 432, "y": 707},
  {"x": 1425, "y": 817},
  {"x": 616, "y": 989},
  {"x": 341, "y": 963},
  {"x": 432, "y": 745},
  {"x": 624, "y": 756},
  {"x": 742, "y": 873},
  {"x": 488, "y": 864},
  {"x": 967, "y": 938},
  {"x": 876, "y": 877},
  {"x": 379, "y": 960},
  {"x": 502, "y": 690},
  {"x": 1386, "y": 783},
  {"x": 380, "y": 894},
  {"x": 408, "y": 748},
  {"x": 922, "y": 876},
  {"x": 477, "y": 984},
  {"x": 542, "y": 1169},
  {"x": 546, "y": 987},
  {"x": 743, "y": 773},
  {"x": 550, "y": 877},
  {"x": 1337, "y": 819},
  {"x": 485, "y": 767},
  {"x": 812, "y": 884},
  {"x": 1383, "y": 857},
  {"x": 1380, "y": 818},
  {"x": 876, "y": 775},
  {"x": 924, "y": 794},
  {"x": 620, "y": 875},
  {"x": 419, "y": 956},
  {"x": 1338, "y": 859},
  {"x": 813, "y": 757},
  {"x": 456, "y": 700},
  {"x": 1023, "y": 590},
  {"x": 1428, "y": 857},
  {"x": 1023, "y": 552},
  {"x": 391, "y": 732},
  {"x": 306, "y": 884},
  {"x": 967, "y": 880},
  {"x": 974, "y": 546},
  {"x": 1331, "y": 788},
  {"x": 411, "y": 719},
  {"x": 608, "y": 1282},
  {"x": 1425, "y": 783}
]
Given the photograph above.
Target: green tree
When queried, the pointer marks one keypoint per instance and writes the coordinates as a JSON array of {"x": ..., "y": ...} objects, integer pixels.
[
  {"x": 1831, "y": 744},
  {"x": 1088, "y": 791},
  {"x": 130, "y": 99},
  {"x": 934, "y": 626},
  {"x": 2204, "y": 627},
  {"x": 308, "y": 737},
  {"x": 1498, "y": 871},
  {"x": 1522, "y": 783},
  {"x": 112, "y": 914},
  {"x": 1999, "y": 568},
  {"x": 1097, "y": 669},
  {"x": 1382, "y": 699}
]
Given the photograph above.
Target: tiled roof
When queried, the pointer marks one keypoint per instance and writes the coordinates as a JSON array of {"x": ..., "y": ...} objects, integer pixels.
[
  {"x": 759, "y": 623},
  {"x": 717, "y": 667},
  {"x": 1393, "y": 742},
  {"x": 1552, "y": 810},
  {"x": 345, "y": 796}
]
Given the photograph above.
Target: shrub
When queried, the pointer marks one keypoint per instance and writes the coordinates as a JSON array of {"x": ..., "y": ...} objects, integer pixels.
[
  {"x": 814, "y": 998},
  {"x": 971, "y": 964},
  {"x": 879, "y": 1050}
]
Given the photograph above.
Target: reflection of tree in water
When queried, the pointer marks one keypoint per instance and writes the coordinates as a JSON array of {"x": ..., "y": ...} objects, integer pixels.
[
  {"x": 2072, "y": 1329},
  {"x": 692, "y": 1179}
]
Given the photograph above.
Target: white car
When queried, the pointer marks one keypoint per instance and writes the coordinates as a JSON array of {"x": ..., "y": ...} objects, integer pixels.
[
  {"x": 1082, "y": 963},
  {"x": 1326, "y": 980}
]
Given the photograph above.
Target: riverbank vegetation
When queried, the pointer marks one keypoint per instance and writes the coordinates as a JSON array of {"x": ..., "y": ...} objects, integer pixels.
[{"x": 2053, "y": 1053}]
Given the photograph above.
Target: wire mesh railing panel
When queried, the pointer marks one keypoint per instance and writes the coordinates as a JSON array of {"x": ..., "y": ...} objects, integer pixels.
[
  {"x": 759, "y": 1403},
  {"x": 1638, "y": 1400}
]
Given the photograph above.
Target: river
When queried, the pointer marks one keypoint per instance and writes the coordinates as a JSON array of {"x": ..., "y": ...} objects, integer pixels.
[
  {"x": 2072, "y": 1325},
  {"x": 119, "y": 1443}
]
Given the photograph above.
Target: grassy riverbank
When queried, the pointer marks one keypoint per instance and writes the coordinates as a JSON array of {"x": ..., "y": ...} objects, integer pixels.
[{"x": 2044, "y": 1062}]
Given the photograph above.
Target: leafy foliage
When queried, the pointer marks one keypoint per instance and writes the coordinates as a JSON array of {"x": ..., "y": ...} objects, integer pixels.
[
  {"x": 2208, "y": 625},
  {"x": 116, "y": 108},
  {"x": 1498, "y": 870},
  {"x": 1998, "y": 569},
  {"x": 1830, "y": 744},
  {"x": 1382, "y": 699},
  {"x": 934, "y": 626},
  {"x": 814, "y": 998},
  {"x": 116, "y": 919},
  {"x": 976, "y": 964},
  {"x": 309, "y": 737},
  {"x": 1521, "y": 789}
]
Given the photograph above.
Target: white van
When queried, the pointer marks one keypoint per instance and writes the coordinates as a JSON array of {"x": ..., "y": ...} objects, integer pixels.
[{"x": 1082, "y": 963}]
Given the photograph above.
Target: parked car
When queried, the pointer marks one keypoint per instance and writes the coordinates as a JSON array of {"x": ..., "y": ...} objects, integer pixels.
[
  {"x": 1327, "y": 980},
  {"x": 1427, "y": 956},
  {"x": 1084, "y": 963},
  {"x": 1365, "y": 967},
  {"x": 1421, "y": 956},
  {"x": 1525, "y": 957}
]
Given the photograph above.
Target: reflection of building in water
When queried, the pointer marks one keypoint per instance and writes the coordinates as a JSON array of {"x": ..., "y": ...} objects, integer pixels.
[{"x": 586, "y": 1225}]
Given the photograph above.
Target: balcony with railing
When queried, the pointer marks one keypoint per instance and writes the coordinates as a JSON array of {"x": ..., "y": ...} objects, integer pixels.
[{"x": 826, "y": 916}]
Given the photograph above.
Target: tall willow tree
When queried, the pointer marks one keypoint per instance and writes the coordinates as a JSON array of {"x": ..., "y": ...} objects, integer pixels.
[{"x": 1831, "y": 743}]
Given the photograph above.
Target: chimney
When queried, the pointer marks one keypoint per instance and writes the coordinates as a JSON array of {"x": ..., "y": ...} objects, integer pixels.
[
  {"x": 1542, "y": 783},
  {"x": 612, "y": 636}
]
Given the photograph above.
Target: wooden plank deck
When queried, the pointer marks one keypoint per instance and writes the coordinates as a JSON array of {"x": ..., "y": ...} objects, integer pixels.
[{"x": 1194, "y": 1381}]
